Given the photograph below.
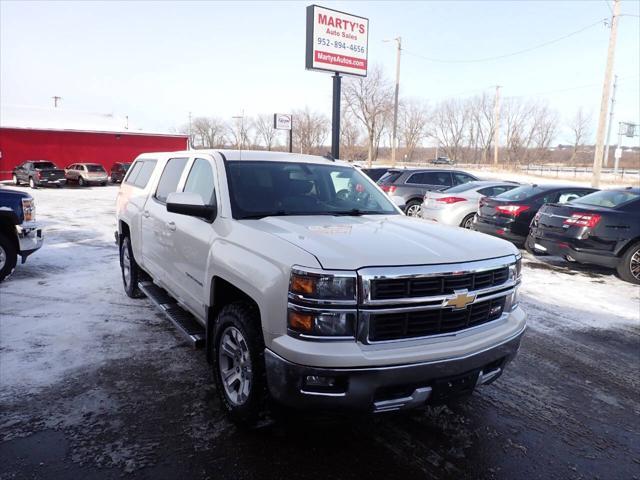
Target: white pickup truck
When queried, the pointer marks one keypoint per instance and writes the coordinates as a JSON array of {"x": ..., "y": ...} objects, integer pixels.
[{"x": 308, "y": 287}]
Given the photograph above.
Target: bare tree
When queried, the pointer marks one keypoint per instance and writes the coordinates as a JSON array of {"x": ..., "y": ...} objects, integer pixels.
[
  {"x": 482, "y": 120},
  {"x": 580, "y": 127},
  {"x": 369, "y": 99},
  {"x": 450, "y": 126},
  {"x": 239, "y": 132},
  {"x": 206, "y": 132},
  {"x": 412, "y": 125},
  {"x": 265, "y": 130},
  {"x": 349, "y": 136},
  {"x": 310, "y": 129},
  {"x": 530, "y": 128}
]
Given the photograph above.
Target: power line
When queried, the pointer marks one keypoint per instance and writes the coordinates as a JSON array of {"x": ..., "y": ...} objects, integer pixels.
[
  {"x": 519, "y": 52},
  {"x": 609, "y": 6}
]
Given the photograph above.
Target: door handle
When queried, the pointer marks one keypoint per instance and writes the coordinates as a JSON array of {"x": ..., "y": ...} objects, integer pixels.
[
  {"x": 146, "y": 214},
  {"x": 171, "y": 226}
]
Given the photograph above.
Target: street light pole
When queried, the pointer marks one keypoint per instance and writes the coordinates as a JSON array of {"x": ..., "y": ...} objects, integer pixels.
[{"x": 394, "y": 140}]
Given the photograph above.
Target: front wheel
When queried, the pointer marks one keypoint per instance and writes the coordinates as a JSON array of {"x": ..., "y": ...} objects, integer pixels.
[
  {"x": 15, "y": 179},
  {"x": 81, "y": 182},
  {"x": 629, "y": 265},
  {"x": 131, "y": 272},
  {"x": 414, "y": 209},
  {"x": 32, "y": 183},
  {"x": 8, "y": 256},
  {"x": 238, "y": 363}
]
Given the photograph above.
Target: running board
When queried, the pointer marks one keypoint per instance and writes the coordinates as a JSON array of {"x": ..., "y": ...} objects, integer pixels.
[{"x": 183, "y": 320}]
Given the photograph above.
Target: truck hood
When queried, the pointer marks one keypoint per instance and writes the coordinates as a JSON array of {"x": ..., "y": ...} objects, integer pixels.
[{"x": 349, "y": 243}]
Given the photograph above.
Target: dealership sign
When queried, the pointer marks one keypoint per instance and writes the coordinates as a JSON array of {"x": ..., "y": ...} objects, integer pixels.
[
  {"x": 336, "y": 41},
  {"x": 282, "y": 121}
]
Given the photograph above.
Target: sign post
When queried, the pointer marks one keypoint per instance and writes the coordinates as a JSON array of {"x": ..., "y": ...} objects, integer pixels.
[
  {"x": 336, "y": 42},
  {"x": 284, "y": 121}
]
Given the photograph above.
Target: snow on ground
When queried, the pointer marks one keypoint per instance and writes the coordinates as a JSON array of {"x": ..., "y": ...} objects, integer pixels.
[{"x": 65, "y": 310}]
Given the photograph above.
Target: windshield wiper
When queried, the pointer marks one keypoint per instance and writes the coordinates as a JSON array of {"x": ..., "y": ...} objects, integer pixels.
[{"x": 354, "y": 212}]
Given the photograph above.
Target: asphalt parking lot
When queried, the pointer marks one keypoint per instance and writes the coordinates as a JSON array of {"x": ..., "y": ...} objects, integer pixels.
[{"x": 96, "y": 385}]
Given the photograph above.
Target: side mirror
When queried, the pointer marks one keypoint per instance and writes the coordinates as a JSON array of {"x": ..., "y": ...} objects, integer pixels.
[{"x": 191, "y": 204}]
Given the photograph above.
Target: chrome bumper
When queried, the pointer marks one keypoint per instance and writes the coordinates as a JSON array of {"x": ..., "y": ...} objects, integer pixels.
[{"x": 30, "y": 239}]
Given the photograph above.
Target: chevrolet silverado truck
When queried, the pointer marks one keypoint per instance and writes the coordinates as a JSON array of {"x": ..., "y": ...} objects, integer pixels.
[
  {"x": 309, "y": 288},
  {"x": 20, "y": 236}
]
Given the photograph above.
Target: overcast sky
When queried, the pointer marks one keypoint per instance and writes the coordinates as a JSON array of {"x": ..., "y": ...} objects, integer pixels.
[{"x": 156, "y": 61}]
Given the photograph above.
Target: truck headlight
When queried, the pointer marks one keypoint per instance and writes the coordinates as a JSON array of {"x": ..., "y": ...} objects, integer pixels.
[
  {"x": 321, "y": 323},
  {"x": 515, "y": 269},
  {"x": 319, "y": 286}
]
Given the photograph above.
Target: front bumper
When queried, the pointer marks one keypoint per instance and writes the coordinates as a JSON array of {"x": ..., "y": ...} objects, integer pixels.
[
  {"x": 387, "y": 388},
  {"x": 30, "y": 239}
]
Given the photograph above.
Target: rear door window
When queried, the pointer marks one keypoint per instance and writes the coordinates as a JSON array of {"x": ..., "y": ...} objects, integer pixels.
[
  {"x": 170, "y": 178},
  {"x": 200, "y": 181},
  {"x": 430, "y": 178}
]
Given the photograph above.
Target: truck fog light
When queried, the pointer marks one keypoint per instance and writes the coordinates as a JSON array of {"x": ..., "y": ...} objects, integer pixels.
[
  {"x": 318, "y": 381},
  {"x": 322, "y": 384}
]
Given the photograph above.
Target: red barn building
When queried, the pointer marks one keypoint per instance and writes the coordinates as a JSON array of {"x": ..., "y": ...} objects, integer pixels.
[{"x": 66, "y": 137}]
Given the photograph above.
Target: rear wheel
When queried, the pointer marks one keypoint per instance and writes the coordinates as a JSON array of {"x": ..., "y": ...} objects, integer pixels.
[
  {"x": 414, "y": 208},
  {"x": 131, "y": 272},
  {"x": 15, "y": 179},
  {"x": 81, "y": 182},
  {"x": 238, "y": 363},
  {"x": 629, "y": 265},
  {"x": 467, "y": 221},
  {"x": 32, "y": 183},
  {"x": 8, "y": 256}
]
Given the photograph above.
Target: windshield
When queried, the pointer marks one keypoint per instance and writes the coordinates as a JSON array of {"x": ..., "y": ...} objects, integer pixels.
[
  {"x": 95, "y": 168},
  {"x": 607, "y": 198},
  {"x": 520, "y": 193},
  {"x": 260, "y": 189},
  {"x": 463, "y": 187},
  {"x": 41, "y": 165}
]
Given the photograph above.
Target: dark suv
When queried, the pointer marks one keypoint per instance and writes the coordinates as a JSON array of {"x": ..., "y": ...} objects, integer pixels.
[
  {"x": 411, "y": 185},
  {"x": 118, "y": 171}
]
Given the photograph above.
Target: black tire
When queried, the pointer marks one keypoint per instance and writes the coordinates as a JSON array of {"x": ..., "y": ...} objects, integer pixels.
[
  {"x": 132, "y": 274},
  {"x": 629, "y": 265},
  {"x": 528, "y": 245},
  {"x": 81, "y": 182},
  {"x": 15, "y": 179},
  {"x": 8, "y": 254},
  {"x": 245, "y": 318},
  {"x": 467, "y": 221},
  {"x": 414, "y": 209},
  {"x": 32, "y": 183}
]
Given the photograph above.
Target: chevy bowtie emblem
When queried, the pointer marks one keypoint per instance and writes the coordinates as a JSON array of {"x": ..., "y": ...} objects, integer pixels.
[{"x": 460, "y": 299}]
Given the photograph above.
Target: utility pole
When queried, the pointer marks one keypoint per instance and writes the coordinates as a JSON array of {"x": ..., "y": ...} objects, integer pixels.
[
  {"x": 602, "y": 120},
  {"x": 56, "y": 99},
  {"x": 613, "y": 103},
  {"x": 394, "y": 140},
  {"x": 496, "y": 123}
]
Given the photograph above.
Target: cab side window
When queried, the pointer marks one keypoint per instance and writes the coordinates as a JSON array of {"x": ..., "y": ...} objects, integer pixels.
[
  {"x": 170, "y": 177},
  {"x": 200, "y": 181}
]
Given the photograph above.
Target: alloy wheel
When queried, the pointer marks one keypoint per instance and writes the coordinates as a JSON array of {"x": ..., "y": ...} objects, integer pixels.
[
  {"x": 234, "y": 365},
  {"x": 3, "y": 257},
  {"x": 634, "y": 265},
  {"x": 126, "y": 267},
  {"x": 414, "y": 210},
  {"x": 468, "y": 222}
]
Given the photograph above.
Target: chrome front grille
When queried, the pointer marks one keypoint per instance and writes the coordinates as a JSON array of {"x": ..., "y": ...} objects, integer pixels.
[{"x": 404, "y": 303}]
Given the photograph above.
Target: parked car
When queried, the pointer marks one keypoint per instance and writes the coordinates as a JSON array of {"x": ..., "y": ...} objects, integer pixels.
[
  {"x": 309, "y": 297},
  {"x": 602, "y": 228},
  {"x": 375, "y": 173},
  {"x": 118, "y": 171},
  {"x": 20, "y": 236},
  {"x": 509, "y": 214},
  {"x": 37, "y": 173},
  {"x": 441, "y": 161},
  {"x": 409, "y": 186},
  {"x": 86, "y": 174},
  {"x": 457, "y": 205}
]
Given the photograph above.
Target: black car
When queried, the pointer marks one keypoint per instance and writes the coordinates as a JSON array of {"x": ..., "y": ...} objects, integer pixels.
[
  {"x": 509, "y": 214},
  {"x": 410, "y": 185},
  {"x": 375, "y": 173},
  {"x": 441, "y": 161},
  {"x": 118, "y": 171},
  {"x": 602, "y": 228},
  {"x": 37, "y": 173}
]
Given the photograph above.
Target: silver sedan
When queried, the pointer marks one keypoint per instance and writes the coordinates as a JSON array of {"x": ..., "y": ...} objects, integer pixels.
[{"x": 457, "y": 205}]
